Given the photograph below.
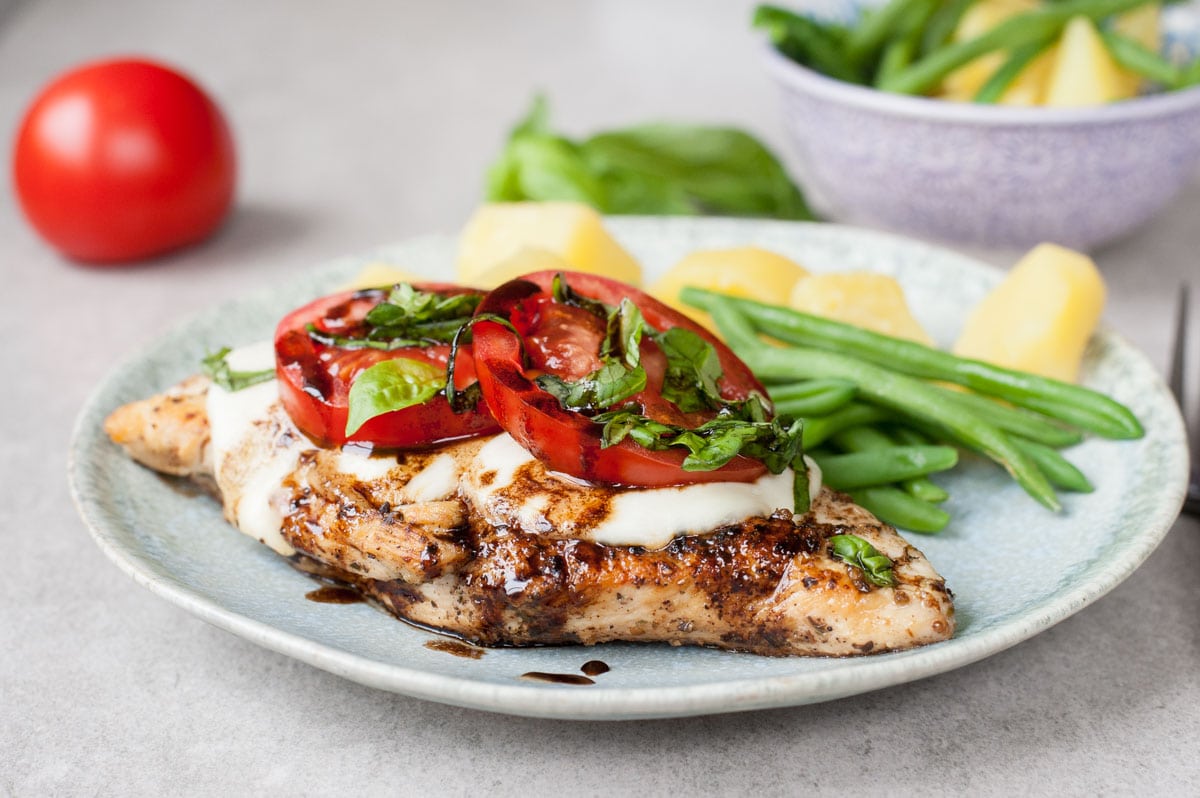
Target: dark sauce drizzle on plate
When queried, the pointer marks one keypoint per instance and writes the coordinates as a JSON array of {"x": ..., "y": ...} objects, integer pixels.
[{"x": 332, "y": 594}]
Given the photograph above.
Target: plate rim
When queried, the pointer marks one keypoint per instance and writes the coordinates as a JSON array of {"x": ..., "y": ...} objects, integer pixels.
[{"x": 597, "y": 702}]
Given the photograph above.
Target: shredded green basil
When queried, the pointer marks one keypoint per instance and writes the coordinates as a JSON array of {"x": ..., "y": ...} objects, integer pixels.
[
  {"x": 691, "y": 383},
  {"x": 565, "y": 295},
  {"x": 613, "y": 382},
  {"x": 876, "y": 567},
  {"x": 693, "y": 370},
  {"x": 408, "y": 317},
  {"x": 623, "y": 336},
  {"x": 620, "y": 374},
  {"x": 462, "y": 400},
  {"x": 216, "y": 366}
]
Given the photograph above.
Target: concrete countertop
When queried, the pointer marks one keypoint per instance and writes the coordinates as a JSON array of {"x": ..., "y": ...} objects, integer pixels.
[{"x": 360, "y": 123}]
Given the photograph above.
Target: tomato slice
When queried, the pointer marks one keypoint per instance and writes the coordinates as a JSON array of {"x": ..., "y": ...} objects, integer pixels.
[
  {"x": 564, "y": 341},
  {"x": 315, "y": 378}
]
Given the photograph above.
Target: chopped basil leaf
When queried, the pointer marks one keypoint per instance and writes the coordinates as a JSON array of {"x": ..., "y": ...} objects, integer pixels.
[
  {"x": 620, "y": 374},
  {"x": 691, "y": 383},
  {"x": 408, "y": 317},
  {"x": 565, "y": 295},
  {"x": 345, "y": 342},
  {"x": 467, "y": 398},
  {"x": 391, "y": 385},
  {"x": 217, "y": 368},
  {"x": 693, "y": 370},
  {"x": 623, "y": 337},
  {"x": 715, "y": 442},
  {"x": 801, "y": 500},
  {"x": 613, "y": 382},
  {"x": 876, "y": 567}
]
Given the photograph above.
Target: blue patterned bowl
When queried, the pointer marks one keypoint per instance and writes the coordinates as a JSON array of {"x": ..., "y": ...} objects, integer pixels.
[{"x": 987, "y": 175}]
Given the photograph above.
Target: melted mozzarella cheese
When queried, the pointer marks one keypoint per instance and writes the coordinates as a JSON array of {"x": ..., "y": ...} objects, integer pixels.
[
  {"x": 363, "y": 467},
  {"x": 438, "y": 481},
  {"x": 233, "y": 417},
  {"x": 650, "y": 517}
]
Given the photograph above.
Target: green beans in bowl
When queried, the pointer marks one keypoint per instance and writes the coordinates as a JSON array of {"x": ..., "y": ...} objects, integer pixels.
[{"x": 977, "y": 171}]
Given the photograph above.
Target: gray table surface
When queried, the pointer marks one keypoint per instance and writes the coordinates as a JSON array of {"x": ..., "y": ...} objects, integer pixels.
[{"x": 366, "y": 122}]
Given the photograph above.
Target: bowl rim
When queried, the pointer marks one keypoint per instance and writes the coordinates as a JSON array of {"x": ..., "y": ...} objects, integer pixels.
[{"x": 799, "y": 77}]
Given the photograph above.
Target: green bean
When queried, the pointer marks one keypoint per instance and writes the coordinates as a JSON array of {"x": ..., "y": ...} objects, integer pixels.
[
  {"x": 1014, "y": 420},
  {"x": 806, "y": 41},
  {"x": 908, "y": 436},
  {"x": 869, "y": 439},
  {"x": 904, "y": 45},
  {"x": 884, "y": 466},
  {"x": 1074, "y": 404},
  {"x": 1131, "y": 55},
  {"x": 856, "y": 414},
  {"x": 812, "y": 397},
  {"x": 897, "y": 508},
  {"x": 740, "y": 335},
  {"x": 873, "y": 27},
  {"x": 1041, "y": 23},
  {"x": 1060, "y": 471},
  {"x": 943, "y": 23},
  {"x": 1191, "y": 74},
  {"x": 1018, "y": 59},
  {"x": 907, "y": 396}
]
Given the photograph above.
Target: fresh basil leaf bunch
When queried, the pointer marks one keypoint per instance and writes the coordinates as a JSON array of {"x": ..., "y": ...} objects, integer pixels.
[{"x": 665, "y": 169}]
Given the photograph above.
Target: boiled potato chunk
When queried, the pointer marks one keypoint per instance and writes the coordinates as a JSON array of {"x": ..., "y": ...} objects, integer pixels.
[
  {"x": 379, "y": 275},
  {"x": 1144, "y": 25},
  {"x": 1040, "y": 318},
  {"x": 872, "y": 301},
  {"x": 965, "y": 82},
  {"x": 524, "y": 261},
  {"x": 747, "y": 272},
  {"x": 1029, "y": 87},
  {"x": 569, "y": 230},
  {"x": 1084, "y": 73}
]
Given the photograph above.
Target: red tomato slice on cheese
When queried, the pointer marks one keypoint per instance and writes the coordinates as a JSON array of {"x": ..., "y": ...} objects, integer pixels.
[
  {"x": 315, "y": 377},
  {"x": 564, "y": 340}
]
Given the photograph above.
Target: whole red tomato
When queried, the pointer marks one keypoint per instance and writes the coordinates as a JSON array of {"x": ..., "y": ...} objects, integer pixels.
[{"x": 121, "y": 160}]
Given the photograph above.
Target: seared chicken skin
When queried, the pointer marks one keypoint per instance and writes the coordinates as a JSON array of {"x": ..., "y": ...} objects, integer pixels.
[{"x": 426, "y": 536}]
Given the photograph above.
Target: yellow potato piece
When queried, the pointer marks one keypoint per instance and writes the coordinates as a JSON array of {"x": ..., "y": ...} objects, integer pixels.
[
  {"x": 1029, "y": 87},
  {"x": 1084, "y": 74},
  {"x": 378, "y": 275},
  {"x": 569, "y": 230},
  {"x": 1143, "y": 24},
  {"x": 523, "y": 261},
  {"x": 748, "y": 272},
  {"x": 872, "y": 301},
  {"x": 965, "y": 82},
  {"x": 1041, "y": 317}
]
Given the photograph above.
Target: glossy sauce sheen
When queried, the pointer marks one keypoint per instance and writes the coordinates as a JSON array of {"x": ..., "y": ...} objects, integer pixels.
[
  {"x": 456, "y": 648},
  {"x": 594, "y": 667},
  {"x": 334, "y": 595},
  {"x": 556, "y": 678}
]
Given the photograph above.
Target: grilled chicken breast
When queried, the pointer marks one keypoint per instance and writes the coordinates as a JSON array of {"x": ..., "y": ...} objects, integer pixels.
[{"x": 511, "y": 554}]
